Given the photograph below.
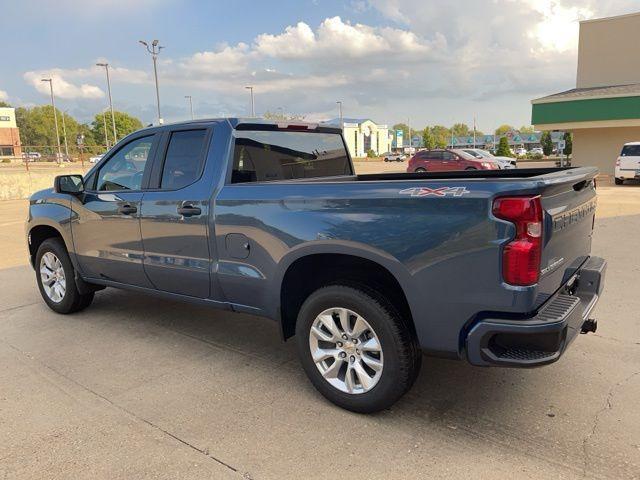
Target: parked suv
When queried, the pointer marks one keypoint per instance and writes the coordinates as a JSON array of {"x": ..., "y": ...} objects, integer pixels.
[
  {"x": 628, "y": 163},
  {"x": 443, "y": 160}
]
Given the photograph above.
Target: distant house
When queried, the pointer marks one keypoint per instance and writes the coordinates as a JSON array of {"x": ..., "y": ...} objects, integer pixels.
[
  {"x": 514, "y": 137},
  {"x": 362, "y": 135},
  {"x": 9, "y": 134}
]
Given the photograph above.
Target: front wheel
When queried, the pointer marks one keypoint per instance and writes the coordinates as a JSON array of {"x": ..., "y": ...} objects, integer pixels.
[
  {"x": 420, "y": 170},
  {"x": 356, "y": 348},
  {"x": 56, "y": 278},
  {"x": 619, "y": 181}
]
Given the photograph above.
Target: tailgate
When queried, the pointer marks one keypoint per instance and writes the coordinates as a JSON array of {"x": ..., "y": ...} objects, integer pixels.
[{"x": 569, "y": 202}]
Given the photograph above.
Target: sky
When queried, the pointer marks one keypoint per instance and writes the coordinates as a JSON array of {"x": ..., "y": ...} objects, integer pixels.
[{"x": 422, "y": 61}]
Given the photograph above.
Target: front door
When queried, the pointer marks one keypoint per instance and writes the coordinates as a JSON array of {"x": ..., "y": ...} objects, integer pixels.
[
  {"x": 106, "y": 224},
  {"x": 175, "y": 216}
]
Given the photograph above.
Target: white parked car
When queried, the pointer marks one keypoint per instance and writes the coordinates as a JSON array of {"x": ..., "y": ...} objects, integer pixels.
[
  {"x": 394, "y": 157},
  {"x": 96, "y": 158},
  {"x": 521, "y": 152},
  {"x": 628, "y": 163},
  {"x": 505, "y": 163},
  {"x": 536, "y": 151}
]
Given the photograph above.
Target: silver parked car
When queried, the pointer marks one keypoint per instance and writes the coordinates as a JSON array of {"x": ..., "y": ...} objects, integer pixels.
[
  {"x": 394, "y": 157},
  {"x": 505, "y": 163}
]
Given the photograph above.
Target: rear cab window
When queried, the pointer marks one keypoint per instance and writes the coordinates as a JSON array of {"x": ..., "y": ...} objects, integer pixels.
[{"x": 270, "y": 155}]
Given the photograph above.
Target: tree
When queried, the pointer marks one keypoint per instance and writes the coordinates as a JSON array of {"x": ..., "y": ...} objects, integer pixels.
[
  {"x": 441, "y": 135},
  {"x": 547, "y": 144},
  {"x": 460, "y": 130},
  {"x": 125, "y": 124},
  {"x": 525, "y": 129},
  {"x": 4, "y": 104},
  {"x": 502, "y": 129},
  {"x": 503, "y": 148},
  {"x": 568, "y": 143},
  {"x": 428, "y": 139}
]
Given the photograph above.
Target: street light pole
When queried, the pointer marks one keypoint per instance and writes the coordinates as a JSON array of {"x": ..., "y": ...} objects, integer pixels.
[
  {"x": 340, "y": 114},
  {"x": 104, "y": 121},
  {"x": 190, "y": 104},
  {"x": 113, "y": 118},
  {"x": 253, "y": 107},
  {"x": 154, "y": 50},
  {"x": 55, "y": 116},
  {"x": 64, "y": 135}
]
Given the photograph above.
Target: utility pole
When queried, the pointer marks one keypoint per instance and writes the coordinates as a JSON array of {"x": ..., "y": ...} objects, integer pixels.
[
  {"x": 104, "y": 120},
  {"x": 339, "y": 102},
  {"x": 154, "y": 50},
  {"x": 253, "y": 107},
  {"x": 64, "y": 136},
  {"x": 190, "y": 104},
  {"x": 113, "y": 118},
  {"x": 410, "y": 140},
  {"x": 474, "y": 131},
  {"x": 55, "y": 117}
]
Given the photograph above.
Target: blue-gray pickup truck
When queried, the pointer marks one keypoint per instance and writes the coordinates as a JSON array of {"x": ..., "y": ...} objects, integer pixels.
[{"x": 367, "y": 271}]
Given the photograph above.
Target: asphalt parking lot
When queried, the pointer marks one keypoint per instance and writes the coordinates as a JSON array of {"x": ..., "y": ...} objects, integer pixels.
[{"x": 136, "y": 387}]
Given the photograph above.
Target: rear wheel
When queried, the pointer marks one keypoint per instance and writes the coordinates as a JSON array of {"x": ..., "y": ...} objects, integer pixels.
[
  {"x": 619, "y": 181},
  {"x": 56, "y": 278},
  {"x": 471, "y": 168},
  {"x": 356, "y": 348},
  {"x": 420, "y": 170}
]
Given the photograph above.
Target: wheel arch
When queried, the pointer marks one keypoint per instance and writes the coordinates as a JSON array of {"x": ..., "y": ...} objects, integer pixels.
[{"x": 311, "y": 268}]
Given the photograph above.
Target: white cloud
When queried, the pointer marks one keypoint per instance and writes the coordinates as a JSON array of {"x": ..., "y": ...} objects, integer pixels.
[
  {"x": 61, "y": 87},
  {"x": 336, "y": 38},
  {"x": 4, "y": 96}
]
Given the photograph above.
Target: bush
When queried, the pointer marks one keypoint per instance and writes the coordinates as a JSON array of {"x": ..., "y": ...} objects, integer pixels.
[
  {"x": 371, "y": 154},
  {"x": 6, "y": 160},
  {"x": 503, "y": 148}
]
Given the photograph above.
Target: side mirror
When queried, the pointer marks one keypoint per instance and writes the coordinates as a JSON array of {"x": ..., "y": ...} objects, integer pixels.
[{"x": 71, "y": 184}]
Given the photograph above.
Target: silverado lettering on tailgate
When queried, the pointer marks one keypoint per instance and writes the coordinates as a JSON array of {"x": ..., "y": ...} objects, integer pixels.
[{"x": 563, "y": 220}]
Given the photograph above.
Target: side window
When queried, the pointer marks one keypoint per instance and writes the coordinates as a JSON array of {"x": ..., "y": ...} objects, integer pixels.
[
  {"x": 437, "y": 156},
  {"x": 447, "y": 156},
  {"x": 125, "y": 169},
  {"x": 184, "y": 158}
]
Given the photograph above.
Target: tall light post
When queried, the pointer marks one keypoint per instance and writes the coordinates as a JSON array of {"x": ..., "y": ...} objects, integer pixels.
[
  {"x": 113, "y": 117},
  {"x": 340, "y": 114},
  {"x": 55, "y": 116},
  {"x": 104, "y": 121},
  {"x": 190, "y": 104},
  {"x": 64, "y": 136},
  {"x": 281, "y": 113},
  {"x": 154, "y": 50},
  {"x": 253, "y": 107}
]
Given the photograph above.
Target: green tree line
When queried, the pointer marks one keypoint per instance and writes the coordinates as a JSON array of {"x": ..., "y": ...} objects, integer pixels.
[{"x": 37, "y": 126}]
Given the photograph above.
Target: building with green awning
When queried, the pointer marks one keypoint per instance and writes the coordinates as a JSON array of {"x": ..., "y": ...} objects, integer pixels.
[{"x": 603, "y": 111}]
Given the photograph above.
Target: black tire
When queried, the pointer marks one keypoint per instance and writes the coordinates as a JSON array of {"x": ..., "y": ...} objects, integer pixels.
[
  {"x": 420, "y": 170},
  {"x": 471, "y": 168},
  {"x": 618, "y": 181},
  {"x": 73, "y": 300},
  {"x": 401, "y": 352}
]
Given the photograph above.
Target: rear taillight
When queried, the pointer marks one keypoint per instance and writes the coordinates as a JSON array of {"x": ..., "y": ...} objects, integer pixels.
[{"x": 521, "y": 256}]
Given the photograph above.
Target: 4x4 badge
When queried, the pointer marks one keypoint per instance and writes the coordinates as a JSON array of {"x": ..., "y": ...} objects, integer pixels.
[{"x": 436, "y": 192}]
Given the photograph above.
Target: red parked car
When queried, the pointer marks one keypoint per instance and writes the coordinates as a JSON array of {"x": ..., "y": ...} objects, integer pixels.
[{"x": 442, "y": 160}]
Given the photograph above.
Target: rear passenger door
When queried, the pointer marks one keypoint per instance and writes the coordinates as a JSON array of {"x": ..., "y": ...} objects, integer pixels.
[{"x": 174, "y": 218}]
